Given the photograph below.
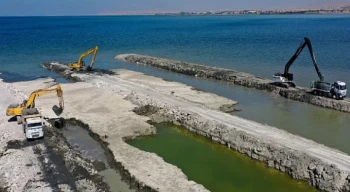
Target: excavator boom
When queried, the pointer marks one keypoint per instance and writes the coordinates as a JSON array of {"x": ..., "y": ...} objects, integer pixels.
[{"x": 295, "y": 56}]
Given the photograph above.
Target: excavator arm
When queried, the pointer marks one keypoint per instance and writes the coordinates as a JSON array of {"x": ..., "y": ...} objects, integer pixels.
[
  {"x": 31, "y": 101},
  {"x": 295, "y": 56},
  {"x": 89, "y": 68}
]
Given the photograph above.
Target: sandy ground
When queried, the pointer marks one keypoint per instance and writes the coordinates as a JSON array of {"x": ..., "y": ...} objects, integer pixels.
[
  {"x": 111, "y": 115},
  {"x": 20, "y": 169},
  {"x": 176, "y": 89},
  {"x": 103, "y": 102}
]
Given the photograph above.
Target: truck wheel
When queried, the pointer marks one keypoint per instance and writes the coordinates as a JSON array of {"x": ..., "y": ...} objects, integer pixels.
[
  {"x": 314, "y": 92},
  {"x": 284, "y": 85},
  {"x": 335, "y": 96}
]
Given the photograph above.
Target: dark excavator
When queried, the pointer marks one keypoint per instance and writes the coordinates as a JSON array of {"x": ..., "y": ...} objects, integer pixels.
[
  {"x": 336, "y": 90},
  {"x": 286, "y": 79}
]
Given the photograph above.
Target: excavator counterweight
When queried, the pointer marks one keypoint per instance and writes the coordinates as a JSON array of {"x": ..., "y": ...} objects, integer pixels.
[{"x": 81, "y": 64}]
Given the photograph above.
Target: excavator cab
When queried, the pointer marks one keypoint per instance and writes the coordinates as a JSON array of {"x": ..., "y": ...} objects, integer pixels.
[{"x": 282, "y": 80}]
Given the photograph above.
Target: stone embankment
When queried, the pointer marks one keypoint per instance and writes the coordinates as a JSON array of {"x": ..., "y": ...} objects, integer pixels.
[
  {"x": 245, "y": 79},
  {"x": 323, "y": 167}
]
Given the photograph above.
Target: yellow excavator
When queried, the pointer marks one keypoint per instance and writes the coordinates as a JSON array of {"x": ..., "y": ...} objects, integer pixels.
[
  {"x": 81, "y": 64},
  {"x": 16, "y": 109}
]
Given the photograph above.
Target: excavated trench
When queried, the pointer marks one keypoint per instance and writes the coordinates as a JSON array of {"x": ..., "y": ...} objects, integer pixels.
[
  {"x": 113, "y": 172},
  {"x": 93, "y": 148},
  {"x": 62, "y": 167}
]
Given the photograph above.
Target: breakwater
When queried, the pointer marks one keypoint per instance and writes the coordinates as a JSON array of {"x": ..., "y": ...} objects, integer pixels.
[{"x": 301, "y": 94}]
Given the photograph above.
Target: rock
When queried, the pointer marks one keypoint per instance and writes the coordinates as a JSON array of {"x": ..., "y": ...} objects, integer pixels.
[
  {"x": 348, "y": 178},
  {"x": 282, "y": 168},
  {"x": 257, "y": 150},
  {"x": 270, "y": 163},
  {"x": 312, "y": 166},
  {"x": 228, "y": 108},
  {"x": 319, "y": 170},
  {"x": 289, "y": 164},
  {"x": 277, "y": 166},
  {"x": 326, "y": 176}
]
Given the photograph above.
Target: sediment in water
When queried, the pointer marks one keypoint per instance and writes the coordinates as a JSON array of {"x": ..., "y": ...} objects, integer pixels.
[{"x": 244, "y": 79}]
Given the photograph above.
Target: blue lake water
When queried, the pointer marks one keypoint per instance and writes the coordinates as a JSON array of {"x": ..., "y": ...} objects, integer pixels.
[
  {"x": 260, "y": 45},
  {"x": 256, "y": 44}
]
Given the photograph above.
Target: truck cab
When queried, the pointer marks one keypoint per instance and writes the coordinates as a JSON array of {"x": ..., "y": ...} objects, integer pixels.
[
  {"x": 33, "y": 127},
  {"x": 33, "y": 123},
  {"x": 340, "y": 89}
]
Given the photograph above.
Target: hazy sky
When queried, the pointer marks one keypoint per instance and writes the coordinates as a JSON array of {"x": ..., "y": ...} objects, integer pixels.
[{"x": 88, "y": 7}]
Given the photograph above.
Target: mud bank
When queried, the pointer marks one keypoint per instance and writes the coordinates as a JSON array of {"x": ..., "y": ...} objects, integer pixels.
[{"x": 244, "y": 79}]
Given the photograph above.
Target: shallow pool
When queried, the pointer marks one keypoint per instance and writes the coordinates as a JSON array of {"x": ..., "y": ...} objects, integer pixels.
[{"x": 213, "y": 165}]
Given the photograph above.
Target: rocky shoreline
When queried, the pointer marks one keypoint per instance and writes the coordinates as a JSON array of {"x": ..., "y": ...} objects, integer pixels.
[
  {"x": 300, "y": 158},
  {"x": 244, "y": 79}
]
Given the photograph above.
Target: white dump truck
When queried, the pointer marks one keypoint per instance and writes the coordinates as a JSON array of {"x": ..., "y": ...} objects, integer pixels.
[
  {"x": 33, "y": 123},
  {"x": 336, "y": 90}
]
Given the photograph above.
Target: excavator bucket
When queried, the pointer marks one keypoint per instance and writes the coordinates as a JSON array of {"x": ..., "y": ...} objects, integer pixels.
[
  {"x": 88, "y": 68},
  {"x": 58, "y": 110}
]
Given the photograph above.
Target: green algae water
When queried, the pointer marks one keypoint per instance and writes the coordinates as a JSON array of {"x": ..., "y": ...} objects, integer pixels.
[{"x": 213, "y": 165}]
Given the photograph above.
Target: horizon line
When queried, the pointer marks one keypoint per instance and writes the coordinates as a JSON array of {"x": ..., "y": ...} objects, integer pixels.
[{"x": 150, "y": 13}]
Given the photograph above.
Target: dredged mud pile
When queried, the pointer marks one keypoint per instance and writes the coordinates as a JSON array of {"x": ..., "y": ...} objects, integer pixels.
[{"x": 245, "y": 79}]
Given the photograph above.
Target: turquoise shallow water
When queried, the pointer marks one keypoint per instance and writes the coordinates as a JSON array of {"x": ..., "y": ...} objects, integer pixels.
[{"x": 256, "y": 44}]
